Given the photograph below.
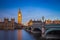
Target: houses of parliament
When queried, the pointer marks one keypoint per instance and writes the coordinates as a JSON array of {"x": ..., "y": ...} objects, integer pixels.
[{"x": 6, "y": 24}]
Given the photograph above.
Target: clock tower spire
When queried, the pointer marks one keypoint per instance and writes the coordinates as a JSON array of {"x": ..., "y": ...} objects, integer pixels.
[{"x": 19, "y": 17}]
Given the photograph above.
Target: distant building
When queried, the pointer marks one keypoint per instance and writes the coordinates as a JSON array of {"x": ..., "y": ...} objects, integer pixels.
[
  {"x": 56, "y": 21},
  {"x": 35, "y": 23},
  {"x": 40, "y": 22},
  {"x": 30, "y": 22},
  {"x": 48, "y": 21},
  {"x": 0, "y": 20},
  {"x": 6, "y": 24},
  {"x": 52, "y": 22}
]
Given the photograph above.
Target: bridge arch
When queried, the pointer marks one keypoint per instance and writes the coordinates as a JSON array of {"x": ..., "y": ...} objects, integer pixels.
[
  {"x": 37, "y": 29},
  {"x": 52, "y": 30}
]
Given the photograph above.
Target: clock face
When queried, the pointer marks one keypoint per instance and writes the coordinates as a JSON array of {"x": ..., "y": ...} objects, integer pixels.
[{"x": 19, "y": 15}]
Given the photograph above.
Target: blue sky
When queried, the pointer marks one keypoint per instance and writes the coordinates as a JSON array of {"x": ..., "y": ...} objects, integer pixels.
[{"x": 31, "y": 9}]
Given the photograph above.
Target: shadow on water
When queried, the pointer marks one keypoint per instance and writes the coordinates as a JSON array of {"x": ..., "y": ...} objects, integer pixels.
[{"x": 53, "y": 35}]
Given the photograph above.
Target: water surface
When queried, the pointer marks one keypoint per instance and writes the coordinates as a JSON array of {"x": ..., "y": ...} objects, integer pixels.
[{"x": 15, "y": 35}]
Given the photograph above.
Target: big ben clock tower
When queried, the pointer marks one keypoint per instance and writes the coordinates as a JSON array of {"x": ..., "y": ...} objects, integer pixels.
[{"x": 19, "y": 17}]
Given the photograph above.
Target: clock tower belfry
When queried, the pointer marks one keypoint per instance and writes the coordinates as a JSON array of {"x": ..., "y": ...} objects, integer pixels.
[{"x": 19, "y": 17}]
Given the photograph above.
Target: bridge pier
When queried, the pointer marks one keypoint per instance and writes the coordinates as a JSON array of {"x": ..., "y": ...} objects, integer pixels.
[
  {"x": 43, "y": 32},
  {"x": 32, "y": 29}
]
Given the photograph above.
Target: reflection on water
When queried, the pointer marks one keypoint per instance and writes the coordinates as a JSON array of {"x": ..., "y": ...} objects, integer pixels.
[
  {"x": 15, "y": 35},
  {"x": 8, "y": 35},
  {"x": 19, "y": 34},
  {"x": 26, "y": 36}
]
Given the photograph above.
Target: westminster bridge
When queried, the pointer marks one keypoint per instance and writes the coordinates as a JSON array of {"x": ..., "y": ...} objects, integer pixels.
[{"x": 47, "y": 29}]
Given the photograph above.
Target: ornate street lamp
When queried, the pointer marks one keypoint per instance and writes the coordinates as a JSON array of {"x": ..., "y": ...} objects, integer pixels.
[{"x": 43, "y": 27}]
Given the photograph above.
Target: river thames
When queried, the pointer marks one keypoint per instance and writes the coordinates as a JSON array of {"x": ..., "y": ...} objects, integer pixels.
[{"x": 17, "y": 35}]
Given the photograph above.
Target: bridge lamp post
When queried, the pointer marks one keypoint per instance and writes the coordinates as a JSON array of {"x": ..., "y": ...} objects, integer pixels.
[{"x": 43, "y": 27}]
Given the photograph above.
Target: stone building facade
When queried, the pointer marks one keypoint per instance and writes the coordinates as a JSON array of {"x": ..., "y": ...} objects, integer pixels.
[{"x": 6, "y": 24}]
